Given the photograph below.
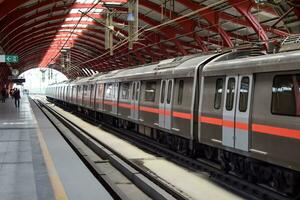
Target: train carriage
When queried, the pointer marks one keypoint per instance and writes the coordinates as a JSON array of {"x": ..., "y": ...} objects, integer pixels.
[
  {"x": 239, "y": 111},
  {"x": 252, "y": 106}
]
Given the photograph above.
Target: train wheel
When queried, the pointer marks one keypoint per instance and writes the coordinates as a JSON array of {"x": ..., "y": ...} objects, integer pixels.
[
  {"x": 291, "y": 183},
  {"x": 224, "y": 158},
  {"x": 209, "y": 153}
]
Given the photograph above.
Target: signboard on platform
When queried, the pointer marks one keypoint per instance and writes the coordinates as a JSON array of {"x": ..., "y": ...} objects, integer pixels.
[
  {"x": 19, "y": 81},
  {"x": 9, "y": 58},
  {"x": 16, "y": 80}
]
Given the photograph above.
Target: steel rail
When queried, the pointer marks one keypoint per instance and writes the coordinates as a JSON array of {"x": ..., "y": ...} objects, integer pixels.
[{"x": 154, "y": 188}]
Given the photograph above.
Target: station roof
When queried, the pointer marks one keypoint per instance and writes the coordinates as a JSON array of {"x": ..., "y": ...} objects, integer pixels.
[{"x": 41, "y": 31}]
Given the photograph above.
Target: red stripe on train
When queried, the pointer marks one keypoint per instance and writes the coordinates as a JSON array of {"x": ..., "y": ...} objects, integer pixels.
[
  {"x": 126, "y": 105},
  {"x": 272, "y": 130},
  {"x": 182, "y": 115},
  {"x": 242, "y": 125},
  {"x": 153, "y": 110},
  {"x": 211, "y": 120},
  {"x": 226, "y": 123},
  {"x": 283, "y": 132},
  {"x": 109, "y": 103},
  {"x": 149, "y": 109}
]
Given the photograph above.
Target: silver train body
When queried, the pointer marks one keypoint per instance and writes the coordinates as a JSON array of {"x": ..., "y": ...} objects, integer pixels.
[{"x": 240, "y": 111}]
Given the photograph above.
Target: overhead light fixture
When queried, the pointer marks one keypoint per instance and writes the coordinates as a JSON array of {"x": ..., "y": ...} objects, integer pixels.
[
  {"x": 269, "y": 2},
  {"x": 113, "y": 4},
  {"x": 130, "y": 17}
]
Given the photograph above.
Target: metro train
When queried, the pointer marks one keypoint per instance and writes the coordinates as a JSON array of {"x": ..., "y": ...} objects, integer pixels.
[{"x": 238, "y": 109}]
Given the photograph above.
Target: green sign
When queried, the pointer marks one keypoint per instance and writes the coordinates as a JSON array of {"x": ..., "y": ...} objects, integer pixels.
[{"x": 11, "y": 58}]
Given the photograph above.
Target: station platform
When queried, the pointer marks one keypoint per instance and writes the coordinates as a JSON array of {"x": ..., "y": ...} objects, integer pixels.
[{"x": 36, "y": 162}]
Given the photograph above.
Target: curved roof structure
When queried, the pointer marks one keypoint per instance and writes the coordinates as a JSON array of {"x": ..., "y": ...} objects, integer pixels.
[{"x": 49, "y": 33}]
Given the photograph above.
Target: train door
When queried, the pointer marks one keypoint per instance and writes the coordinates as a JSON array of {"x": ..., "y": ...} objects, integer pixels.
[
  {"x": 135, "y": 98},
  {"x": 92, "y": 95},
  {"x": 74, "y": 92},
  {"x": 79, "y": 95},
  {"x": 99, "y": 96},
  {"x": 165, "y": 103},
  {"x": 115, "y": 98},
  {"x": 236, "y": 112}
]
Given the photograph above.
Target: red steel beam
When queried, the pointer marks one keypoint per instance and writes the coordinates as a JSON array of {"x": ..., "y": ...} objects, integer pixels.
[
  {"x": 86, "y": 40},
  {"x": 212, "y": 17},
  {"x": 21, "y": 29},
  {"x": 46, "y": 31},
  {"x": 244, "y": 8},
  {"x": 187, "y": 24},
  {"x": 43, "y": 49},
  {"x": 9, "y": 6},
  {"x": 19, "y": 13}
]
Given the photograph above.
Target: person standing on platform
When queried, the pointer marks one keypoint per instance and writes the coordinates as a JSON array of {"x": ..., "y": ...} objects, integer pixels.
[
  {"x": 17, "y": 97},
  {"x": 3, "y": 95},
  {"x": 11, "y": 93}
]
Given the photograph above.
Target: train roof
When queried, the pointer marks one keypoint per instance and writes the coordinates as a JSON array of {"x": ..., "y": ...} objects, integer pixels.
[
  {"x": 217, "y": 64},
  {"x": 176, "y": 67},
  {"x": 266, "y": 63}
]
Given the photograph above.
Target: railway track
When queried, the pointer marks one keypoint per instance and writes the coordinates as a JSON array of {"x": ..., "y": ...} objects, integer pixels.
[
  {"x": 241, "y": 187},
  {"x": 238, "y": 186},
  {"x": 92, "y": 152}
]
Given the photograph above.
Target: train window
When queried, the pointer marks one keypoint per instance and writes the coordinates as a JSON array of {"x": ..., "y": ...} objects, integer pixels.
[
  {"x": 137, "y": 91},
  {"x": 218, "y": 93},
  {"x": 133, "y": 91},
  {"x": 92, "y": 91},
  {"x": 230, "y": 94},
  {"x": 286, "y": 95},
  {"x": 180, "y": 92},
  {"x": 169, "y": 91},
  {"x": 109, "y": 91},
  {"x": 85, "y": 87},
  {"x": 100, "y": 90},
  {"x": 150, "y": 91},
  {"x": 73, "y": 92},
  {"x": 125, "y": 91},
  {"x": 244, "y": 91},
  {"x": 162, "y": 97}
]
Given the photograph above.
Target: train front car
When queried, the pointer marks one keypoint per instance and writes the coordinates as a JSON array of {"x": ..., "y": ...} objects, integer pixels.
[{"x": 250, "y": 118}]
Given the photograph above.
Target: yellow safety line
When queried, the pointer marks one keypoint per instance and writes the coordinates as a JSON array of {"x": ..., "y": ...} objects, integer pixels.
[{"x": 57, "y": 185}]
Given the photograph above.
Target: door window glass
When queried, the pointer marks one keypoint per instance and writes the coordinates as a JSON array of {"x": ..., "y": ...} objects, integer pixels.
[
  {"x": 100, "y": 90},
  {"x": 125, "y": 91},
  {"x": 137, "y": 91},
  {"x": 92, "y": 93},
  {"x": 244, "y": 91},
  {"x": 150, "y": 91},
  {"x": 180, "y": 92},
  {"x": 230, "y": 94},
  {"x": 133, "y": 91},
  {"x": 109, "y": 91},
  {"x": 115, "y": 92},
  {"x": 169, "y": 91},
  {"x": 218, "y": 93},
  {"x": 162, "y": 96}
]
